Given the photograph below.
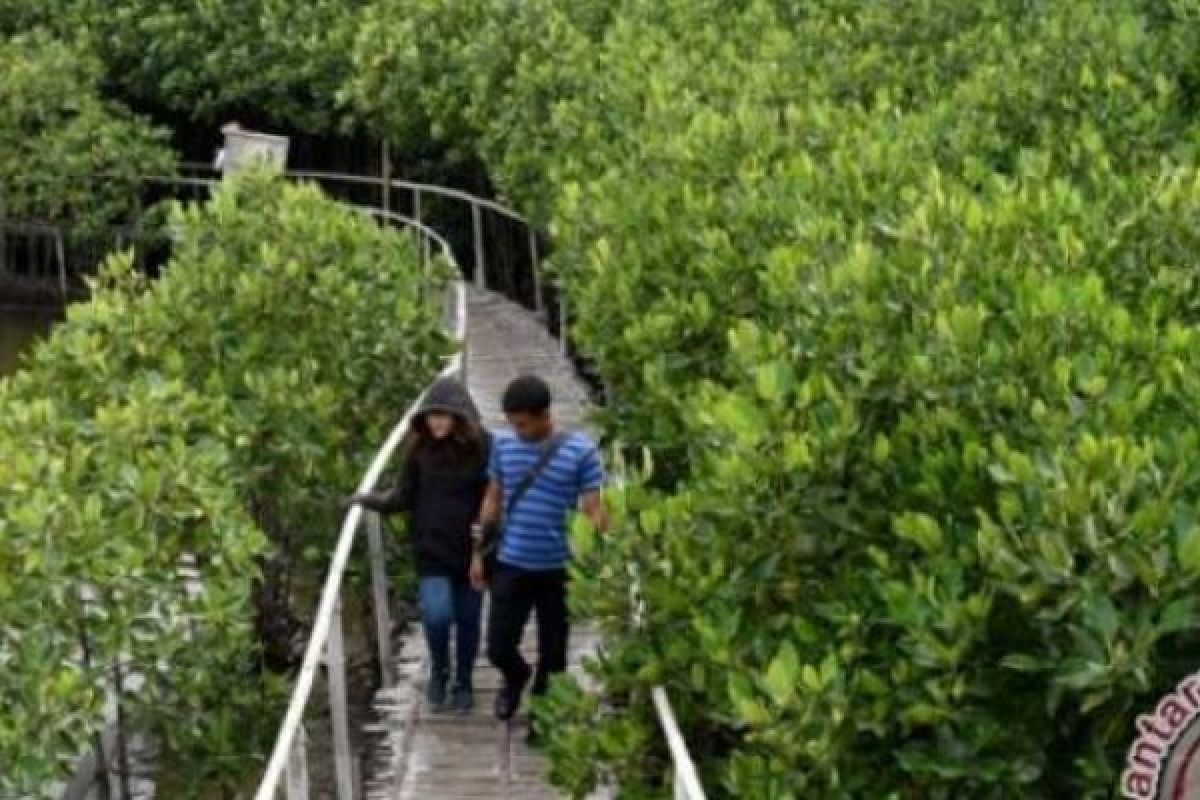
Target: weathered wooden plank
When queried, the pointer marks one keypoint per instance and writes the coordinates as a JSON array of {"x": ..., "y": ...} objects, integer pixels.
[{"x": 505, "y": 341}]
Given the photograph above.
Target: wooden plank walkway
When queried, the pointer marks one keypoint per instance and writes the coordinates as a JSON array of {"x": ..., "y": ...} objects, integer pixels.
[
  {"x": 504, "y": 341},
  {"x": 446, "y": 756}
]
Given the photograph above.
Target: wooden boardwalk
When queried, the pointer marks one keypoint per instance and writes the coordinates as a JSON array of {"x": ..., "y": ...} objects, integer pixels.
[{"x": 420, "y": 755}]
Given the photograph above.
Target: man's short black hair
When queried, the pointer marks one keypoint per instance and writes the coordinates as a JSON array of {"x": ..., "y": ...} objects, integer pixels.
[{"x": 528, "y": 394}]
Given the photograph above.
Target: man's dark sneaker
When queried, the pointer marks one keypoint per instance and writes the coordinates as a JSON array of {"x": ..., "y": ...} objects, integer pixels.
[
  {"x": 435, "y": 690},
  {"x": 462, "y": 699},
  {"x": 508, "y": 699}
]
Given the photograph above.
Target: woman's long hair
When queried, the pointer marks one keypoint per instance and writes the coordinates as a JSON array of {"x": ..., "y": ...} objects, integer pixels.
[{"x": 462, "y": 448}]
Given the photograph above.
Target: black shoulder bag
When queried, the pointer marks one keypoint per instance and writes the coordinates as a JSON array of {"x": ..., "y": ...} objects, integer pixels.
[{"x": 491, "y": 549}]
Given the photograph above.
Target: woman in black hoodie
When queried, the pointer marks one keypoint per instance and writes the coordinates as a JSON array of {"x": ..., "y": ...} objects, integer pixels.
[{"x": 441, "y": 487}]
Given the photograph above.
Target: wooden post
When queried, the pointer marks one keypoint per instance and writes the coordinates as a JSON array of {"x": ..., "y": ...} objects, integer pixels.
[
  {"x": 422, "y": 238},
  {"x": 379, "y": 587},
  {"x": 3, "y": 239},
  {"x": 562, "y": 320},
  {"x": 297, "y": 768},
  {"x": 139, "y": 258},
  {"x": 539, "y": 304},
  {"x": 123, "y": 768},
  {"x": 480, "y": 266},
  {"x": 60, "y": 253},
  {"x": 335, "y": 662},
  {"x": 101, "y": 783},
  {"x": 385, "y": 182}
]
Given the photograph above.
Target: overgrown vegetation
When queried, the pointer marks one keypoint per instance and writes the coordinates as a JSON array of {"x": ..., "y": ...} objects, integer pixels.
[
  {"x": 68, "y": 155},
  {"x": 901, "y": 298},
  {"x": 207, "y": 60},
  {"x": 219, "y": 412}
]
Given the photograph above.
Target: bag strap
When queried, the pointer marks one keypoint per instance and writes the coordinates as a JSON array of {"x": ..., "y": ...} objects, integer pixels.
[{"x": 552, "y": 447}]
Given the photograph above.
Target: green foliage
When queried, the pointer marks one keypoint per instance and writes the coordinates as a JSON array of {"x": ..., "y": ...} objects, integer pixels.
[
  {"x": 68, "y": 156},
  {"x": 218, "y": 411},
  {"x": 212, "y": 60},
  {"x": 901, "y": 297}
]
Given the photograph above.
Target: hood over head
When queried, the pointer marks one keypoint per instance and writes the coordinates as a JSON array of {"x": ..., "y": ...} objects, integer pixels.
[{"x": 449, "y": 396}]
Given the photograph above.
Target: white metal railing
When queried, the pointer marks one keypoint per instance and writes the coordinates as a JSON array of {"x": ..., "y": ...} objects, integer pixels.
[
  {"x": 684, "y": 777},
  {"x": 326, "y": 640},
  {"x": 418, "y": 191},
  {"x": 289, "y": 756},
  {"x": 687, "y": 782},
  {"x": 287, "y": 766}
]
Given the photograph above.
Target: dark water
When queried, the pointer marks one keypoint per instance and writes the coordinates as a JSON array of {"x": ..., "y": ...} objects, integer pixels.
[{"x": 20, "y": 327}]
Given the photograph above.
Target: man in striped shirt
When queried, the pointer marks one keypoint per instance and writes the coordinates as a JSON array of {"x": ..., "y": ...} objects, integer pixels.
[{"x": 531, "y": 572}]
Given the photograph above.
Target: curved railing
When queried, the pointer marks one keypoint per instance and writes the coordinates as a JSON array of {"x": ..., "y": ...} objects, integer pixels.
[
  {"x": 287, "y": 757},
  {"x": 326, "y": 641},
  {"x": 287, "y": 765}
]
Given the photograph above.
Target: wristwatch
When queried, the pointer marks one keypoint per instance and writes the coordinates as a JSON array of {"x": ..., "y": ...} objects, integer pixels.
[{"x": 477, "y": 533}]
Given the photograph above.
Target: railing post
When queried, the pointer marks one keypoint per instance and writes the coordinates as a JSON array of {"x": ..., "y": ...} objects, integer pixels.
[
  {"x": 562, "y": 320},
  {"x": 422, "y": 238},
  {"x": 539, "y": 305},
  {"x": 60, "y": 254},
  {"x": 480, "y": 266},
  {"x": 335, "y": 662},
  {"x": 101, "y": 779},
  {"x": 379, "y": 587},
  {"x": 385, "y": 180},
  {"x": 3, "y": 239},
  {"x": 123, "y": 765},
  {"x": 297, "y": 767}
]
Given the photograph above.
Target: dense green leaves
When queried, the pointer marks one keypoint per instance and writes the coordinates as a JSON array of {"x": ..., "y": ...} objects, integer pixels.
[
  {"x": 216, "y": 413},
  {"x": 67, "y": 156},
  {"x": 902, "y": 298},
  {"x": 211, "y": 60}
]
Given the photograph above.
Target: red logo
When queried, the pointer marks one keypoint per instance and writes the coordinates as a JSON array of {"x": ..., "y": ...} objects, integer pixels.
[{"x": 1164, "y": 761}]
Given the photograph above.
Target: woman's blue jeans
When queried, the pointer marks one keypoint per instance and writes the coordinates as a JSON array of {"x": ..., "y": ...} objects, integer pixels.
[{"x": 447, "y": 601}]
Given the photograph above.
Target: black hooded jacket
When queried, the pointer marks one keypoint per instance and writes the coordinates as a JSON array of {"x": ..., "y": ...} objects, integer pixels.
[{"x": 441, "y": 487}]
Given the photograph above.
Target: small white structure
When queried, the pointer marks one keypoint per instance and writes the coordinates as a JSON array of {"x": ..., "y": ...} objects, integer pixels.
[{"x": 245, "y": 148}]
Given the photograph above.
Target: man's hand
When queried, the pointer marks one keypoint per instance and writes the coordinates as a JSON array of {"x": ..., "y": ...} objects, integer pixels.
[
  {"x": 592, "y": 504},
  {"x": 476, "y": 573}
]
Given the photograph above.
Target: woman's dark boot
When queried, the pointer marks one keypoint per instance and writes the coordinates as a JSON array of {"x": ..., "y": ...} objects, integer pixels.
[{"x": 435, "y": 691}]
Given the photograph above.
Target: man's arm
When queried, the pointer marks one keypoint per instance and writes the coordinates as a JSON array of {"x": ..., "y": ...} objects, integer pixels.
[
  {"x": 489, "y": 511},
  {"x": 593, "y": 506},
  {"x": 489, "y": 517},
  {"x": 493, "y": 497},
  {"x": 591, "y": 481}
]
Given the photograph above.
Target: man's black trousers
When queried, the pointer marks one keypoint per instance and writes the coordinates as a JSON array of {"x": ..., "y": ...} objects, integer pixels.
[{"x": 515, "y": 593}]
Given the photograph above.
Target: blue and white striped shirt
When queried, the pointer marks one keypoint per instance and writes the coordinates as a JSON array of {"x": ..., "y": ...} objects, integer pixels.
[{"x": 535, "y": 536}]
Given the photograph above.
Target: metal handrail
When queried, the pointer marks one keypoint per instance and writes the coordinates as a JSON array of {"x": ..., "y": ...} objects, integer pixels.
[
  {"x": 394, "y": 183},
  {"x": 324, "y": 623},
  {"x": 684, "y": 776},
  {"x": 476, "y": 204},
  {"x": 288, "y": 757},
  {"x": 687, "y": 781}
]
